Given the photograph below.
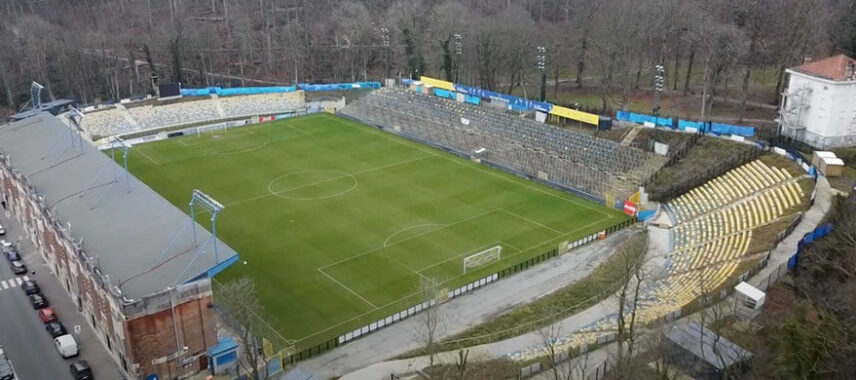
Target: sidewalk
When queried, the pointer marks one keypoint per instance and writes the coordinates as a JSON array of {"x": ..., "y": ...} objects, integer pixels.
[{"x": 91, "y": 349}]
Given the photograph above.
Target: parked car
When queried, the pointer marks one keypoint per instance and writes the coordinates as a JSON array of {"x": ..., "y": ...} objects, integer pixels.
[
  {"x": 38, "y": 301},
  {"x": 12, "y": 255},
  {"x": 66, "y": 346},
  {"x": 2, "y": 230},
  {"x": 5, "y": 244},
  {"x": 6, "y": 370},
  {"x": 30, "y": 287},
  {"x": 55, "y": 328},
  {"x": 80, "y": 370},
  {"x": 47, "y": 315},
  {"x": 18, "y": 267}
]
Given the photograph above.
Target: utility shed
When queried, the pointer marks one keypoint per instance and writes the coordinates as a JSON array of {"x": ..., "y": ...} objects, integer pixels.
[{"x": 751, "y": 296}]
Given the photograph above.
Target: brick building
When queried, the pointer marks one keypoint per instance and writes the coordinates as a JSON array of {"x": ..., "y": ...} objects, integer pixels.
[{"x": 125, "y": 255}]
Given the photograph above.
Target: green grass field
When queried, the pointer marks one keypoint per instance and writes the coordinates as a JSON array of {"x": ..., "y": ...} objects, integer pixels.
[{"x": 339, "y": 222}]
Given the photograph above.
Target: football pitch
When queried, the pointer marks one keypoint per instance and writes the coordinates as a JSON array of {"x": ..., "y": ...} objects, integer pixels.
[{"x": 339, "y": 222}]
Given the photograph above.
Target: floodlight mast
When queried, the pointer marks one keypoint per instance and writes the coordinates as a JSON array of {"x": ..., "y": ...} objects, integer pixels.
[{"x": 210, "y": 204}]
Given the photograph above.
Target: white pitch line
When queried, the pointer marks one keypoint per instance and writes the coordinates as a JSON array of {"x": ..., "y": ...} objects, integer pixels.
[
  {"x": 146, "y": 156},
  {"x": 272, "y": 193},
  {"x": 347, "y": 288},
  {"x": 409, "y": 238},
  {"x": 532, "y": 221}
]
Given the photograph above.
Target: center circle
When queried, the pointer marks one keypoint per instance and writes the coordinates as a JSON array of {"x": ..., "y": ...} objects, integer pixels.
[{"x": 312, "y": 185}]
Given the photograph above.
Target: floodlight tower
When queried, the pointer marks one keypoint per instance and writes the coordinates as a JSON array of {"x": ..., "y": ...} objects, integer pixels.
[
  {"x": 385, "y": 40},
  {"x": 659, "y": 84},
  {"x": 210, "y": 204},
  {"x": 542, "y": 69},
  {"x": 36, "y": 94},
  {"x": 459, "y": 51}
]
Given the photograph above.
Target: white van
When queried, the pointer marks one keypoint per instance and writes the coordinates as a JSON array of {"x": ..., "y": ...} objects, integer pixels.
[{"x": 66, "y": 345}]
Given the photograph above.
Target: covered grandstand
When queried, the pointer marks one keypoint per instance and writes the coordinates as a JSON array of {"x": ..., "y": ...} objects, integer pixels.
[{"x": 127, "y": 256}]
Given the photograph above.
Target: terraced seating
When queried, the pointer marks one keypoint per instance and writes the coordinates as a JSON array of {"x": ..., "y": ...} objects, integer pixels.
[
  {"x": 161, "y": 116},
  {"x": 715, "y": 224},
  {"x": 262, "y": 104},
  {"x": 153, "y": 117},
  {"x": 105, "y": 123},
  {"x": 580, "y": 161}
]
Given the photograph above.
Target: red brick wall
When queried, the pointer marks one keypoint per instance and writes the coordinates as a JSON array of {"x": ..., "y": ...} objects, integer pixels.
[{"x": 153, "y": 336}]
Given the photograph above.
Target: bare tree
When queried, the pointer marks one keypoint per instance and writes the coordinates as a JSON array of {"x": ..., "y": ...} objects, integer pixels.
[
  {"x": 241, "y": 311},
  {"x": 632, "y": 260},
  {"x": 430, "y": 319}
]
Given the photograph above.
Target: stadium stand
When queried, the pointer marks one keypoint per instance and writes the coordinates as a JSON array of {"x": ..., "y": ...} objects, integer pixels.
[
  {"x": 106, "y": 122},
  {"x": 590, "y": 165},
  {"x": 111, "y": 122},
  {"x": 713, "y": 226}
]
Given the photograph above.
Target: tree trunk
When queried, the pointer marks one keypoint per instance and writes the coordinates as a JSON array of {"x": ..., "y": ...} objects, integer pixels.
[
  {"x": 677, "y": 66},
  {"x": 745, "y": 92},
  {"x": 689, "y": 70},
  {"x": 581, "y": 64}
]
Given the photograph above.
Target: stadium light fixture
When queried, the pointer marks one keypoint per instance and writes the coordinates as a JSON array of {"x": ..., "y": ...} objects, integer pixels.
[
  {"x": 385, "y": 41},
  {"x": 459, "y": 51},
  {"x": 542, "y": 68}
]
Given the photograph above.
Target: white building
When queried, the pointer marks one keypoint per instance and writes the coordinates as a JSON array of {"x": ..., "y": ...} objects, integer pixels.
[{"x": 819, "y": 105}]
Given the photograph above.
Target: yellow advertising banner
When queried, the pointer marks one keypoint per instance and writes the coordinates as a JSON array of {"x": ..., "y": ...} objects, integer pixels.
[
  {"x": 437, "y": 83},
  {"x": 584, "y": 117}
]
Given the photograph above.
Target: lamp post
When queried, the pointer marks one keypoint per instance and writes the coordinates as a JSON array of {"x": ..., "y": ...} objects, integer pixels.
[
  {"x": 542, "y": 68},
  {"x": 459, "y": 50},
  {"x": 659, "y": 84},
  {"x": 385, "y": 40}
]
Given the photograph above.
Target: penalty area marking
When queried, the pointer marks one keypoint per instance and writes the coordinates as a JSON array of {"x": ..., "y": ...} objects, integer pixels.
[
  {"x": 347, "y": 288},
  {"x": 146, "y": 156},
  {"x": 405, "y": 229}
]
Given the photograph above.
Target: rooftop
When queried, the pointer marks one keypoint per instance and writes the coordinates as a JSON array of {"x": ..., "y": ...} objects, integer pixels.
[
  {"x": 687, "y": 336},
  {"x": 832, "y": 68},
  {"x": 129, "y": 233}
]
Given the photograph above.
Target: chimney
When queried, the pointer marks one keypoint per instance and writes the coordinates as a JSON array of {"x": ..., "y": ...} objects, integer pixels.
[
  {"x": 806, "y": 59},
  {"x": 850, "y": 71}
]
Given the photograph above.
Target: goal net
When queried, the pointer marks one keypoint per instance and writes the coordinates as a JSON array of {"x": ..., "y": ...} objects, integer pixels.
[
  {"x": 482, "y": 258},
  {"x": 211, "y": 128}
]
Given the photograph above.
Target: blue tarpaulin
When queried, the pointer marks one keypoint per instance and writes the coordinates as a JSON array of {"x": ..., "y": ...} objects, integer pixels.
[
  {"x": 472, "y": 99},
  {"x": 642, "y": 119},
  {"x": 442, "y": 93},
  {"x": 728, "y": 129},
  {"x": 514, "y": 102},
  {"x": 684, "y": 124}
]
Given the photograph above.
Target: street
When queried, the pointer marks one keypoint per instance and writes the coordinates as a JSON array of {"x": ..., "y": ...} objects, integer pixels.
[{"x": 23, "y": 336}]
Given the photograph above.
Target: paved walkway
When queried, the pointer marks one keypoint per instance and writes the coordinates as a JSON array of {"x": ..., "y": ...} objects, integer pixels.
[{"x": 465, "y": 312}]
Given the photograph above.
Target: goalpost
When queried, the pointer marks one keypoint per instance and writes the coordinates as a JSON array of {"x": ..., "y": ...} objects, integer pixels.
[
  {"x": 482, "y": 258},
  {"x": 210, "y": 128}
]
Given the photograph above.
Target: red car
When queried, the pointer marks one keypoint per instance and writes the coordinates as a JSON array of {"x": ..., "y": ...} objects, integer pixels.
[{"x": 47, "y": 315}]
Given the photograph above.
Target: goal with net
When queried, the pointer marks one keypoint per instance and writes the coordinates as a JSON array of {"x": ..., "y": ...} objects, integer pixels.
[{"x": 482, "y": 258}]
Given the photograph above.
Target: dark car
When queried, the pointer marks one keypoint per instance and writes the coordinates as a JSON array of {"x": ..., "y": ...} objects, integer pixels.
[
  {"x": 80, "y": 370},
  {"x": 12, "y": 255},
  {"x": 6, "y": 370},
  {"x": 55, "y": 328},
  {"x": 38, "y": 301},
  {"x": 18, "y": 267},
  {"x": 30, "y": 287}
]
